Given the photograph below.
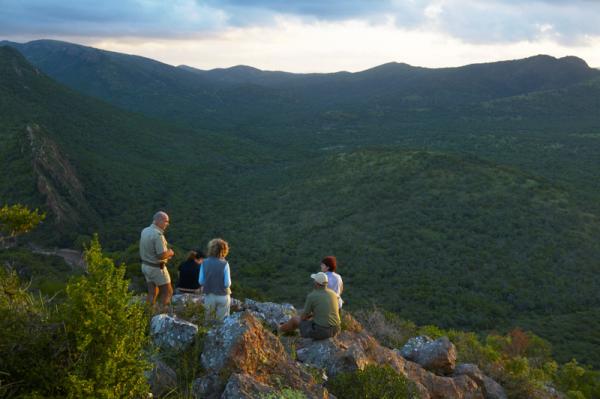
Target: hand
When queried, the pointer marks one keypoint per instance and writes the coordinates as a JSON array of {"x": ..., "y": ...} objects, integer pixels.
[{"x": 170, "y": 253}]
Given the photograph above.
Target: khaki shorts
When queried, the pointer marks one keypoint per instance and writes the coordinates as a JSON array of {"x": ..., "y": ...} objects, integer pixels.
[{"x": 156, "y": 275}]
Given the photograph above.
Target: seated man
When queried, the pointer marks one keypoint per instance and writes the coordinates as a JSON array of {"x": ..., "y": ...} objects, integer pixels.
[{"x": 320, "y": 318}]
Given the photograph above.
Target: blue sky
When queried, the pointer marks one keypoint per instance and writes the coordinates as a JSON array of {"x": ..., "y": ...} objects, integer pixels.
[{"x": 314, "y": 35}]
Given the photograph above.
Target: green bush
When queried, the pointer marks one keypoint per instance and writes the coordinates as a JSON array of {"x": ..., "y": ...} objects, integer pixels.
[
  {"x": 374, "y": 382},
  {"x": 578, "y": 381},
  {"x": 32, "y": 347},
  {"x": 285, "y": 393},
  {"x": 107, "y": 332}
]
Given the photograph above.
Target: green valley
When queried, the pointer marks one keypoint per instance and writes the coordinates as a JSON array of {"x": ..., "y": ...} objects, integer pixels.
[{"x": 462, "y": 197}]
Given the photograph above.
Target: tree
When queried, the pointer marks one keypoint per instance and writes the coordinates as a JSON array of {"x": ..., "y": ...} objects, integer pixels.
[
  {"x": 16, "y": 220},
  {"x": 108, "y": 332}
]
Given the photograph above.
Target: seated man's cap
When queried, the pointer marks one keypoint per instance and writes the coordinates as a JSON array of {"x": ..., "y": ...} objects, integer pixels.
[{"x": 320, "y": 278}]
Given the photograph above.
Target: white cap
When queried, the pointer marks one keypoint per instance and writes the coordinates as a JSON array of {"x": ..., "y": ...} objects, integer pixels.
[{"x": 320, "y": 278}]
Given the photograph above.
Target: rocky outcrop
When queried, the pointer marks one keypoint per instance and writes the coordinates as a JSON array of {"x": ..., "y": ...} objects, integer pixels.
[
  {"x": 172, "y": 333},
  {"x": 437, "y": 356},
  {"x": 352, "y": 351},
  {"x": 241, "y": 345},
  {"x": 244, "y": 359},
  {"x": 187, "y": 299},
  {"x": 271, "y": 313},
  {"x": 162, "y": 379},
  {"x": 491, "y": 389},
  {"x": 57, "y": 179},
  {"x": 441, "y": 387},
  {"x": 243, "y": 386}
]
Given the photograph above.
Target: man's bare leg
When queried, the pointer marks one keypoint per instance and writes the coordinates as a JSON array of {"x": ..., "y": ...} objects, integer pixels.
[
  {"x": 166, "y": 292},
  {"x": 290, "y": 325},
  {"x": 152, "y": 294}
]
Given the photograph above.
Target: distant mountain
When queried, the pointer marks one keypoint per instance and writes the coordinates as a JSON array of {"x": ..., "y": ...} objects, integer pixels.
[
  {"x": 138, "y": 84},
  {"x": 242, "y": 95},
  {"x": 242, "y": 74}
]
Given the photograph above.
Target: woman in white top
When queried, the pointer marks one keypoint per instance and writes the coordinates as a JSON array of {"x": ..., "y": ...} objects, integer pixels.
[{"x": 335, "y": 283}]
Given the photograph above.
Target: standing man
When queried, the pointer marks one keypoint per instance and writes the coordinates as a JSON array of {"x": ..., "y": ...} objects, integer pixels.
[{"x": 154, "y": 254}]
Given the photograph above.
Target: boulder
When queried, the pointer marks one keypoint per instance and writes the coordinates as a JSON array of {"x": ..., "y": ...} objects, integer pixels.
[
  {"x": 271, "y": 313},
  {"x": 243, "y": 386},
  {"x": 439, "y": 387},
  {"x": 171, "y": 333},
  {"x": 491, "y": 389},
  {"x": 185, "y": 299},
  {"x": 162, "y": 379},
  {"x": 241, "y": 345},
  {"x": 351, "y": 351},
  {"x": 412, "y": 346},
  {"x": 437, "y": 356}
]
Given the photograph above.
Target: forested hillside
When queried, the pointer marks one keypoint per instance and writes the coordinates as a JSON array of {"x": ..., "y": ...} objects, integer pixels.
[{"x": 463, "y": 197}]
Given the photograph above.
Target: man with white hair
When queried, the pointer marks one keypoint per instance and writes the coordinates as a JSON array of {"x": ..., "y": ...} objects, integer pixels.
[
  {"x": 320, "y": 318},
  {"x": 154, "y": 254}
]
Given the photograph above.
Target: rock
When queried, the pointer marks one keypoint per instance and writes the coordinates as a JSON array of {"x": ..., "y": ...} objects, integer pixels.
[
  {"x": 171, "y": 333},
  {"x": 184, "y": 299},
  {"x": 351, "y": 351},
  {"x": 437, "y": 356},
  {"x": 271, "y": 313},
  {"x": 438, "y": 387},
  {"x": 241, "y": 345},
  {"x": 243, "y": 386},
  {"x": 236, "y": 305},
  {"x": 333, "y": 355},
  {"x": 410, "y": 349},
  {"x": 491, "y": 389},
  {"x": 162, "y": 379}
]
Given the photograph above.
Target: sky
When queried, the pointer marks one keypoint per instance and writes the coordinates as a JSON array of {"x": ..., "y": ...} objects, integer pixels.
[{"x": 314, "y": 35}]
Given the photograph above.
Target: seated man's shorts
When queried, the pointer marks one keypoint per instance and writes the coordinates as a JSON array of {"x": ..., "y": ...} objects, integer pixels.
[
  {"x": 309, "y": 329},
  {"x": 156, "y": 275}
]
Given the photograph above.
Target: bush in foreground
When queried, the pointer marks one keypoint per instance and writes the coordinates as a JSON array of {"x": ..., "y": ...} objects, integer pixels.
[
  {"x": 90, "y": 346},
  {"x": 374, "y": 382},
  {"x": 107, "y": 331}
]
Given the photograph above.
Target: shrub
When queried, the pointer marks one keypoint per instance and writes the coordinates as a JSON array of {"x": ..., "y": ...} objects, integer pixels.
[
  {"x": 32, "y": 348},
  {"x": 107, "y": 332},
  {"x": 386, "y": 327},
  {"x": 349, "y": 323},
  {"x": 374, "y": 382},
  {"x": 16, "y": 220},
  {"x": 578, "y": 381},
  {"x": 285, "y": 393}
]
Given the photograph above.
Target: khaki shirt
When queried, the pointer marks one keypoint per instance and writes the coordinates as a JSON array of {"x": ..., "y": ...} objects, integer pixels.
[
  {"x": 322, "y": 305},
  {"x": 152, "y": 244}
]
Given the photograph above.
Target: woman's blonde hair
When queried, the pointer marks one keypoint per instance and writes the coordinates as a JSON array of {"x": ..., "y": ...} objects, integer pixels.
[{"x": 218, "y": 248}]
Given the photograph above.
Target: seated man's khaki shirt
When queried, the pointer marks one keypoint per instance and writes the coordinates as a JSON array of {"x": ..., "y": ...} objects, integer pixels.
[{"x": 322, "y": 305}]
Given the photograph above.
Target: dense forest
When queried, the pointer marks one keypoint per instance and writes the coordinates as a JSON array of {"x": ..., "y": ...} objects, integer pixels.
[{"x": 462, "y": 197}]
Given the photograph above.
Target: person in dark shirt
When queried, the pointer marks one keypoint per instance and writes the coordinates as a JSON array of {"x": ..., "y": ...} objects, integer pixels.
[{"x": 189, "y": 272}]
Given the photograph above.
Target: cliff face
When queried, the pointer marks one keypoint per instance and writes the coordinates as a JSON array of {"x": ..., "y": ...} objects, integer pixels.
[{"x": 56, "y": 178}]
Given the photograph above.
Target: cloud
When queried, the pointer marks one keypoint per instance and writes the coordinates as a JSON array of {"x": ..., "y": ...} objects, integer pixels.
[
  {"x": 472, "y": 21},
  {"x": 109, "y": 18}
]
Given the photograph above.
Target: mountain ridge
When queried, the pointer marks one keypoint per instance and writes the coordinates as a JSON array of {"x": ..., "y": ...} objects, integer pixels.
[{"x": 195, "y": 98}]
